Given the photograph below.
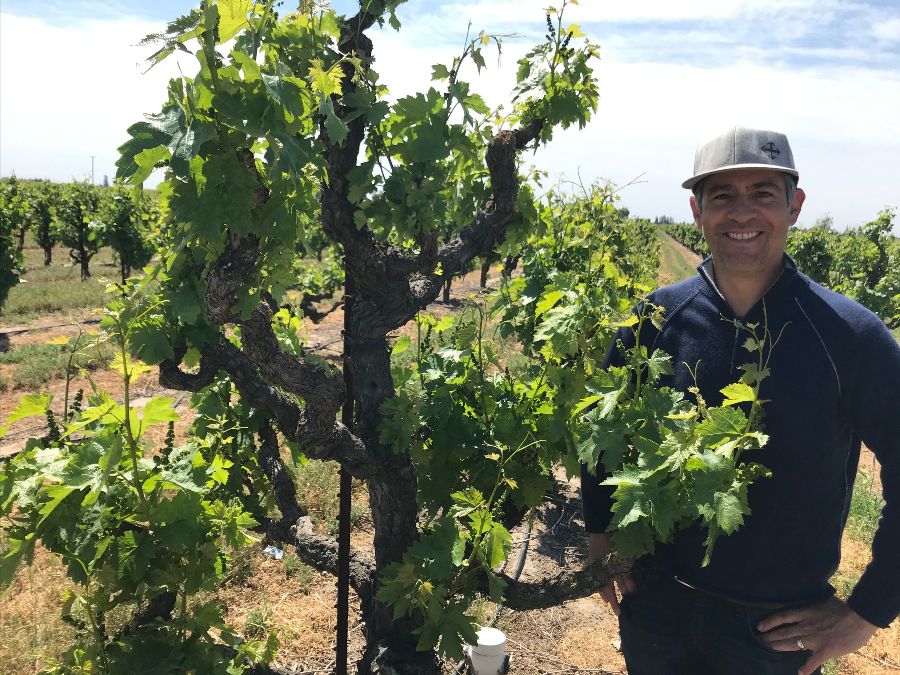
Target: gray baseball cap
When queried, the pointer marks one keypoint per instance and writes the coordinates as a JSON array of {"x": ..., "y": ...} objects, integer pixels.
[{"x": 741, "y": 148}]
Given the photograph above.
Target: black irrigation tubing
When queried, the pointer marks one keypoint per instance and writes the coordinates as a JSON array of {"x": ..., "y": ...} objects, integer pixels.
[{"x": 520, "y": 565}]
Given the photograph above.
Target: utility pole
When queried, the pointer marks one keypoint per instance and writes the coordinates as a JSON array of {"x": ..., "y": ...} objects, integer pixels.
[{"x": 92, "y": 169}]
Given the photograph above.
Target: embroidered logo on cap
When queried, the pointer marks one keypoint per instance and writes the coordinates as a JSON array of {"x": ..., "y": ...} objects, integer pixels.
[{"x": 770, "y": 149}]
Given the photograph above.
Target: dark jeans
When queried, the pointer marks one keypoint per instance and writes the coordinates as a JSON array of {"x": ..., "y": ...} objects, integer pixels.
[{"x": 670, "y": 629}]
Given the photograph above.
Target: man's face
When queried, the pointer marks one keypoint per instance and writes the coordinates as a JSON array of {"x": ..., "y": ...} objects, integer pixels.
[{"x": 745, "y": 219}]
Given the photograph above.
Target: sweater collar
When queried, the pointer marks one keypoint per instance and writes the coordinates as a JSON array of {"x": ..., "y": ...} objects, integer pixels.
[{"x": 788, "y": 272}]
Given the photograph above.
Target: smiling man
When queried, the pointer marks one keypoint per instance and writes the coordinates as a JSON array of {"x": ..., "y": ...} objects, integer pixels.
[{"x": 764, "y": 603}]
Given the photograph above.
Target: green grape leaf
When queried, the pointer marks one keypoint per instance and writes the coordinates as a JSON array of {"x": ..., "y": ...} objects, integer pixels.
[
  {"x": 729, "y": 511},
  {"x": 561, "y": 327},
  {"x": 634, "y": 540},
  {"x": 16, "y": 551},
  {"x": 428, "y": 144},
  {"x": 29, "y": 406},
  {"x": 723, "y": 425},
  {"x": 439, "y": 72},
  {"x": 666, "y": 510},
  {"x": 185, "y": 304},
  {"x": 159, "y": 409},
  {"x": 150, "y": 343},
  {"x": 631, "y": 503},
  {"x": 454, "y": 629},
  {"x": 607, "y": 445},
  {"x": 548, "y": 300},
  {"x": 232, "y": 17},
  {"x": 658, "y": 364},
  {"x": 737, "y": 392},
  {"x": 325, "y": 81},
  {"x": 334, "y": 125},
  {"x": 497, "y": 544}
]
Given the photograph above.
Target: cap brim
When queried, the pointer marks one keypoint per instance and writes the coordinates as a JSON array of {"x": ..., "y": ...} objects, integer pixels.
[{"x": 691, "y": 182}]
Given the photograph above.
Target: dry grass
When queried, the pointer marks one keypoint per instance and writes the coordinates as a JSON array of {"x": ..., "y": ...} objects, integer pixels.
[
  {"x": 301, "y": 614},
  {"x": 33, "y": 632}
]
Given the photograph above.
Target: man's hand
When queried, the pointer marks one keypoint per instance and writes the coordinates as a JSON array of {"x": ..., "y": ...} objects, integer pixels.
[
  {"x": 599, "y": 546},
  {"x": 828, "y": 630}
]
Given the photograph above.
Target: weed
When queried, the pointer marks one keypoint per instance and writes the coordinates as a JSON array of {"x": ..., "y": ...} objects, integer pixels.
[
  {"x": 36, "y": 364},
  {"x": 318, "y": 487},
  {"x": 844, "y": 583},
  {"x": 297, "y": 569},
  {"x": 30, "y": 301},
  {"x": 865, "y": 509},
  {"x": 241, "y": 566},
  {"x": 258, "y": 623}
]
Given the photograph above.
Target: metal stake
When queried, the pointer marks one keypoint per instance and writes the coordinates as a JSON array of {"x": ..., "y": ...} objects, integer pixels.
[{"x": 343, "y": 578}]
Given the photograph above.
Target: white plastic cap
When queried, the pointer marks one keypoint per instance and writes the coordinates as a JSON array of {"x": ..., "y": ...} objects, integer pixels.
[{"x": 491, "y": 642}]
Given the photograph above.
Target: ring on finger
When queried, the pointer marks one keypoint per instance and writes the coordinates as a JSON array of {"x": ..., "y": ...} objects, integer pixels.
[{"x": 801, "y": 644}]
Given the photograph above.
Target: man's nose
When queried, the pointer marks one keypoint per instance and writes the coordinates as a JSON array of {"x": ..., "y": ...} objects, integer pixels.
[{"x": 742, "y": 210}]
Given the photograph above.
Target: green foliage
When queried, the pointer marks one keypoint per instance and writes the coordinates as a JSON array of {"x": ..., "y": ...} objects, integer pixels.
[
  {"x": 554, "y": 80},
  {"x": 38, "y": 200},
  {"x": 12, "y": 215},
  {"x": 38, "y": 363},
  {"x": 125, "y": 222},
  {"x": 128, "y": 524},
  {"x": 243, "y": 142},
  {"x": 862, "y": 263},
  {"x": 76, "y": 223},
  {"x": 865, "y": 509},
  {"x": 688, "y": 234},
  {"x": 484, "y": 436},
  {"x": 672, "y": 462}
]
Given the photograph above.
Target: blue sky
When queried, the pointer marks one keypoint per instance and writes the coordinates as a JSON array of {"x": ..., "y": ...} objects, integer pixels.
[{"x": 826, "y": 72}]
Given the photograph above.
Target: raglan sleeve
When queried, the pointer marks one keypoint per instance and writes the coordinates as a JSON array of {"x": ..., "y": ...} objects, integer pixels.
[{"x": 874, "y": 400}]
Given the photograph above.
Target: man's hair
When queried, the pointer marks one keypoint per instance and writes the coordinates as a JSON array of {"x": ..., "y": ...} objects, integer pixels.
[{"x": 790, "y": 188}]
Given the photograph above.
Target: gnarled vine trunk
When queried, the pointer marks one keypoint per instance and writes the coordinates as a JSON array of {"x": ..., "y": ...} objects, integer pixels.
[{"x": 300, "y": 395}]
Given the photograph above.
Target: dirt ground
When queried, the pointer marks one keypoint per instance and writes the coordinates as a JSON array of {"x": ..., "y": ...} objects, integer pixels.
[{"x": 576, "y": 637}]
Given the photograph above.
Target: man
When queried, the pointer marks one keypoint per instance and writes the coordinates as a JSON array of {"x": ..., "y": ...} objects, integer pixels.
[{"x": 764, "y": 604}]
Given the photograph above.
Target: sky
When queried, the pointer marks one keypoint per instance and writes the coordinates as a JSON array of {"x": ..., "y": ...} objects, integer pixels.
[{"x": 672, "y": 75}]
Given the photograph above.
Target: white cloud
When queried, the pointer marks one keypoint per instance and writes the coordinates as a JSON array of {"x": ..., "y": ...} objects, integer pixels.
[
  {"x": 842, "y": 125},
  {"x": 506, "y": 11},
  {"x": 69, "y": 93},
  {"x": 56, "y": 111},
  {"x": 888, "y": 31}
]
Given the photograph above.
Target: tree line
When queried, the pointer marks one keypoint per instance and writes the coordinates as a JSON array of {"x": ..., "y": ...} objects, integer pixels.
[{"x": 79, "y": 216}]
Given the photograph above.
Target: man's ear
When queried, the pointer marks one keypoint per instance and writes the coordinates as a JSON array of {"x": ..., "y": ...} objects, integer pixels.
[
  {"x": 695, "y": 209},
  {"x": 797, "y": 204}
]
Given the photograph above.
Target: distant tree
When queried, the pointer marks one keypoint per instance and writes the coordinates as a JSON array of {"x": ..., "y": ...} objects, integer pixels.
[
  {"x": 77, "y": 209},
  {"x": 121, "y": 226},
  {"x": 826, "y": 222},
  {"x": 10, "y": 255},
  {"x": 41, "y": 213}
]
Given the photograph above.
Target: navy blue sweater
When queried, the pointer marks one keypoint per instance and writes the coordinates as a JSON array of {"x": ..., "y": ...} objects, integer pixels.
[{"x": 835, "y": 382}]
